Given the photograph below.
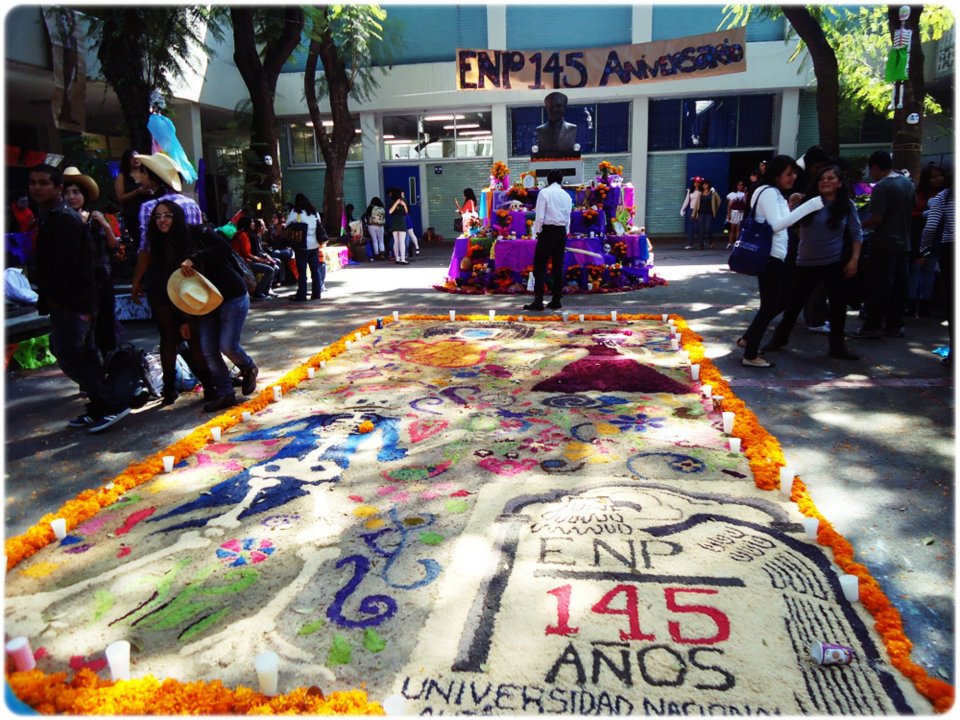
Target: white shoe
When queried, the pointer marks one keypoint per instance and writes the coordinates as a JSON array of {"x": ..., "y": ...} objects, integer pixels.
[{"x": 825, "y": 328}]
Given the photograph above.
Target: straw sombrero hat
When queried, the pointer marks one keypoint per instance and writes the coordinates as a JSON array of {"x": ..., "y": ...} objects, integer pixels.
[
  {"x": 193, "y": 295},
  {"x": 73, "y": 176},
  {"x": 164, "y": 168}
]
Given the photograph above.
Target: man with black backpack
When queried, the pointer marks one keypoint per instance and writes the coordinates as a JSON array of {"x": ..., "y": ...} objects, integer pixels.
[{"x": 67, "y": 292}]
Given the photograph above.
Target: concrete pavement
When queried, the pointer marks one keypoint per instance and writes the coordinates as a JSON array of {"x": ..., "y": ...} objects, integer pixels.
[{"x": 873, "y": 439}]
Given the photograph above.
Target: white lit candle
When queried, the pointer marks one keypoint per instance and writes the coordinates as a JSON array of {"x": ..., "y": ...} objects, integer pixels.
[
  {"x": 493, "y": 314},
  {"x": 215, "y": 434},
  {"x": 246, "y": 415},
  {"x": 674, "y": 344},
  {"x": 734, "y": 444},
  {"x": 613, "y": 316},
  {"x": 694, "y": 371},
  {"x": 396, "y": 315},
  {"x": 59, "y": 526},
  {"x": 267, "y": 665},
  {"x": 786, "y": 480},
  {"x": 728, "y": 418},
  {"x": 323, "y": 363},
  {"x": 358, "y": 335},
  {"x": 850, "y": 584},
  {"x": 277, "y": 392},
  {"x": 581, "y": 317},
  {"x": 810, "y": 527},
  {"x": 664, "y": 317},
  {"x": 168, "y": 463},
  {"x": 707, "y": 391},
  {"x": 311, "y": 372},
  {"x": 453, "y": 314},
  {"x": 118, "y": 657}
]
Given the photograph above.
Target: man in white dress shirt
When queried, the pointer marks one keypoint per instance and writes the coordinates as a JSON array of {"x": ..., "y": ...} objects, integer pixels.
[{"x": 550, "y": 227}]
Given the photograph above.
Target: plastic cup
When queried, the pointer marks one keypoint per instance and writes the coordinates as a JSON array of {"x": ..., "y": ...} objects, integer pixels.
[
  {"x": 664, "y": 317},
  {"x": 707, "y": 391},
  {"x": 566, "y": 316},
  {"x": 311, "y": 372},
  {"x": 492, "y": 314},
  {"x": 825, "y": 653},
  {"x": 728, "y": 422},
  {"x": 19, "y": 650},
  {"x": 347, "y": 344},
  {"x": 396, "y": 315},
  {"x": 358, "y": 335},
  {"x": 810, "y": 527},
  {"x": 168, "y": 463},
  {"x": 734, "y": 444},
  {"x": 520, "y": 318},
  {"x": 59, "y": 526},
  {"x": 786, "y": 480},
  {"x": 215, "y": 434},
  {"x": 371, "y": 328},
  {"x": 323, "y": 363},
  {"x": 246, "y": 415},
  {"x": 613, "y": 316},
  {"x": 267, "y": 665},
  {"x": 674, "y": 344},
  {"x": 581, "y": 317},
  {"x": 277, "y": 393},
  {"x": 684, "y": 354},
  {"x": 118, "y": 657},
  {"x": 453, "y": 314},
  {"x": 850, "y": 584}
]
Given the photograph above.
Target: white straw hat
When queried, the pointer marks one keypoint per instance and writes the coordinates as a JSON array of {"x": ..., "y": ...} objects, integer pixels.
[{"x": 193, "y": 295}]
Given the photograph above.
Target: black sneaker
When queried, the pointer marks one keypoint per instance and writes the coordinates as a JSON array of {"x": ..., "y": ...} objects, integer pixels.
[
  {"x": 221, "y": 403},
  {"x": 533, "y": 307},
  {"x": 249, "y": 379},
  {"x": 107, "y": 421},
  {"x": 554, "y": 305},
  {"x": 81, "y": 421},
  {"x": 863, "y": 333}
]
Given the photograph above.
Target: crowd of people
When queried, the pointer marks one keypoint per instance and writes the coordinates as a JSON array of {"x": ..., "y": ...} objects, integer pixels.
[{"x": 827, "y": 255}]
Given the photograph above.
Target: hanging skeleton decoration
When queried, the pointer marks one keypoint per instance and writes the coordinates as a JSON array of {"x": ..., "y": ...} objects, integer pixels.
[{"x": 898, "y": 59}]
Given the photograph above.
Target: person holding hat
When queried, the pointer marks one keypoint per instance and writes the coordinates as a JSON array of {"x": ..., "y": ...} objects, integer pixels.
[
  {"x": 219, "y": 299},
  {"x": 79, "y": 191},
  {"x": 161, "y": 177},
  {"x": 68, "y": 294},
  {"x": 170, "y": 243}
]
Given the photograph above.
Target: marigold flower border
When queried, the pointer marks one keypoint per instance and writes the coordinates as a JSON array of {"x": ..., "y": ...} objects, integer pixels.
[{"x": 86, "y": 693}]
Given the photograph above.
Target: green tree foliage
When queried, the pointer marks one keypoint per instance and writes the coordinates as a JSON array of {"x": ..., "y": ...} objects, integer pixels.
[
  {"x": 145, "y": 48},
  {"x": 348, "y": 41}
]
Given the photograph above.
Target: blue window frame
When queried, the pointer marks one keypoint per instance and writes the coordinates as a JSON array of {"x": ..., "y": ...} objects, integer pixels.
[{"x": 727, "y": 121}]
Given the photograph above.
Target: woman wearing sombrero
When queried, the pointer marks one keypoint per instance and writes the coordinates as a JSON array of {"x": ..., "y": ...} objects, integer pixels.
[{"x": 79, "y": 191}]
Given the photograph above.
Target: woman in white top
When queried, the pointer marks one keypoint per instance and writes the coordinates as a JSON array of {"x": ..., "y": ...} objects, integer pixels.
[
  {"x": 304, "y": 212},
  {"x": 691, "y": 203},
  {"x": 769, "y": 205},
  {"x": 736, "y": 204}
]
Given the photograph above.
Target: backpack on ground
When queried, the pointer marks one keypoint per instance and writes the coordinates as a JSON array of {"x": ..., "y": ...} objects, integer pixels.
[{"x": 126, "y": 373}]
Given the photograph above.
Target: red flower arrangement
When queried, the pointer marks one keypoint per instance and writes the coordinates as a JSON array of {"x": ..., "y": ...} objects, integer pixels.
[
  {"x": 517, "y": 192},
  {"x": 590, "y": 215}
]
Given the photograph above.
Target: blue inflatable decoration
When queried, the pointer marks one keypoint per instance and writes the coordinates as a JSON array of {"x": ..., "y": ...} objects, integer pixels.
[{"x": 165, "y": 135}]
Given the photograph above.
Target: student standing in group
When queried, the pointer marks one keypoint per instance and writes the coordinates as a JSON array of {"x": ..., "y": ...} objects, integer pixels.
[
  {"x": 398, "y": 224},
  {"x": 68, "y": 294},
  {"x": 130, "y": 192},
  {"x": 375, "y": 218},
  {"x": 922, "y": 275},
  {"x": 771, "y": 207},
  {"x": 886, "y": 269},
  {"x": 707, "y": 210},
  {"x": 736, "y": 206},
  {"x": 688, "y": 211},
  {"x": 79, "y": 191},
  {"x": 304, "y": 212},
  {"x": 938, "y": 241},
  {"x": 820, "y": 260},
  {"x": 550, "y": 226},
  {"x": 468, "y": 210}
]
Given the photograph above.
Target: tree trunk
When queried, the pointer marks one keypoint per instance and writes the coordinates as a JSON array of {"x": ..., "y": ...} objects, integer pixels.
[
  {"x": 908, "y": 138},
  {"x": 122, "y": 66},
  {"x": 826, "y": 70},
  {"x": 260, "y": 77},
  {"x": 335, "y": 145}
]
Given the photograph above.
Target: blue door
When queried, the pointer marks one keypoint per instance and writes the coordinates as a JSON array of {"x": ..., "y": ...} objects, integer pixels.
[
  {"x": 407, "y": 178},
  {"x": 715, "y": 167}
]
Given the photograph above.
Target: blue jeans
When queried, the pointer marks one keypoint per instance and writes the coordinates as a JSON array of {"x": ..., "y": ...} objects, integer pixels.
[
  {"x": 705, "y": 228},
  {"x": 220, "y": 335},
  {"x": 72, "y": 342},
  {"x": 264, "y": 275},
  {"x": 318, "y": 271}
]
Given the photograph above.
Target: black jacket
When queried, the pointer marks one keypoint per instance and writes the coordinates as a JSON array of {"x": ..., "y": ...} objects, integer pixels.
[
  {"x": 65, "y": 262},
  {"x": 215, "y": 261}
]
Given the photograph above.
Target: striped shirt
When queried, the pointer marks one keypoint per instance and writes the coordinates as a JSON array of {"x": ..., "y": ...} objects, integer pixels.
[
  {"x": 190, "y": 209},
  {"x": 939, "y": 228}
]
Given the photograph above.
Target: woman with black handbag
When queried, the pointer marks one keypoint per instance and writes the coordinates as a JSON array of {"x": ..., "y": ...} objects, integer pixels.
[
  {"x": 308, "y": 253},
  {"x": 771, "y": 207}
]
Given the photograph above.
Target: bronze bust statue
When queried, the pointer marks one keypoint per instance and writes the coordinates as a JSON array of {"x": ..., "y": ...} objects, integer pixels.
[{"x": 556, "y": 137}]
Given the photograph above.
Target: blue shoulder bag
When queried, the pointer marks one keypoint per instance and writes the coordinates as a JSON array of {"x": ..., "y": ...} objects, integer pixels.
[{"x": 751, "y": 251}]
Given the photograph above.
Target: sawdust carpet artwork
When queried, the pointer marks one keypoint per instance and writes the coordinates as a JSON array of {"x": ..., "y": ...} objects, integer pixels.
[{"x": 498, "y": 516}]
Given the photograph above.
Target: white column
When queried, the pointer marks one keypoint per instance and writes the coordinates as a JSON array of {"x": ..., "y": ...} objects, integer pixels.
[
  {"x": 372, "y": 142},
  {"x": 641, "y": 30},
  {"x": 189, "y": 129},
  {"x": 501, "y": 139},
  {"x": 639, "y": 122},
  {"x": 789, "y": 122},
  {"x": 497, "y": 27}
]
